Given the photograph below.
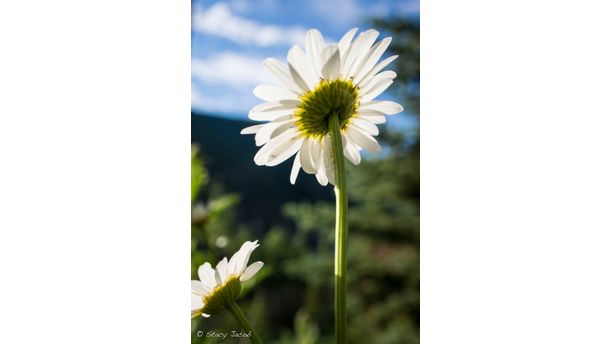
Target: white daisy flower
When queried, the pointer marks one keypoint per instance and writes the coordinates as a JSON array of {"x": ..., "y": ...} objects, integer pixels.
[
  {"x": 219, "y": 286},
  {"x": 342, "y": 78}
]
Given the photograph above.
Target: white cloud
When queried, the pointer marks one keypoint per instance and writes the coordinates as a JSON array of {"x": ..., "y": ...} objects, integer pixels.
[
  {"x": 339, "y": 12},
  {"x": 244, "y": 7},
  {"x": 197, "y": 99},
  {"x": 229, "y": 104},
  {"x": 232, "y": 77},
  {"x": 230, "y": 69},
  {"x": 219, "y": 20}
]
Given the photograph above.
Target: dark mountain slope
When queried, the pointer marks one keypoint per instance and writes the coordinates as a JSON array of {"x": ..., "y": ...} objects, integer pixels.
[{"x": 228, "y": 156}]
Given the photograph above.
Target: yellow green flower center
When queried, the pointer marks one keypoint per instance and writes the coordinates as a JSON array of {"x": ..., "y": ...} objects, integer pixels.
[
  {"x": 216, "y": 300},
  {"x": 339, "y": 96}
]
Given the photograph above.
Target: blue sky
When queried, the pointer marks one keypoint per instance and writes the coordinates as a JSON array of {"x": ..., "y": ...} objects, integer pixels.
[{"x": 230, "y": 39}]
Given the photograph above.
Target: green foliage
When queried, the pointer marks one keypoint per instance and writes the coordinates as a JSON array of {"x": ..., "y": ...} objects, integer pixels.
[
  {"x": 383, "y": 253},
  {"x": 306, "y": 331},
  {"x": 198, "y": 174}
]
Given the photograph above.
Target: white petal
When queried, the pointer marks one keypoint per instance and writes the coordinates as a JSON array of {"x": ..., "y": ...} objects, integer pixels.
[
  {"x": 357, "y": 50},
  {"x": 321, "y": 177},
  {"x": 281, "y": 72},
  {"x": 373, "y": 56},
  {"x": 251, "y": 271},
  {"x": 385, "y": 106},
  {"x": 351, "y": 151},
  {"x": 221, "y": 271},
  {"x": 206, "y": 315},
  {"x": 198, "y": 289},
  {"x": 376, "y": 90},
  {"x": 237, "y": 260},
  {"x": 273, "y": 93},
  {"x": 273, "y": 110},
  {"x": 376, "y": 119},
  {"x": 207, "y": 275},
  {"x": 331, "y": 62},
  {"x": 196, "y": 303},
  {"x": 282, "y": 128},
  {"x": 284, "y": 151},
  {"x": 365, "y": 126},
  {"x": 363, "y": 51},
  {"x": 328, "y": 159},
  {"x": 231, "y": 265},
  {"x": 298, "y": 59},
  {"x": 362, "y": 139},
  {"x": 306, "y": 159},
  {"x": 346, "y": 40},
  {"x": 252, "y": 129},
  {"x": 295, "y": 169},
  {"x": 369, "y": 112},
  {"x": 316, "y": 152},
  {"x": 274, "y": 106},
  {"x": 265, "y": 134},
  {"x": 261, "y": 157},
  {"x": 314, "y": 45},
  {"x": 195, "y": 313},
  {"x": 384, "y": 63},
  {"x": 247, "y": 254},
  {"x": 299, "y": 81},
  {"x": 377, "y": 79}
]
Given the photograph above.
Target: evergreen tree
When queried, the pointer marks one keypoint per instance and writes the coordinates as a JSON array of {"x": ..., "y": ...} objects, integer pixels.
[{"x": 383, "y": 257}]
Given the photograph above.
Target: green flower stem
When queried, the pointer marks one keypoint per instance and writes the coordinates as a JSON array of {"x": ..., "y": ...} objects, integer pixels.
[
  {"x": 341, "y": 229},
  {"x": 235, "y": 310}
]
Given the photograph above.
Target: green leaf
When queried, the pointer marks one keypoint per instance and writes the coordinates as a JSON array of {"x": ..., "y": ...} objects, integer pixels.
[{"x": 198, "y": 174}]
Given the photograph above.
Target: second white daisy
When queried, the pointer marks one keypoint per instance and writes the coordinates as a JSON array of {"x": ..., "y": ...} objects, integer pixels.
[
  {"x": 220, "y": 286},
  {"x": 341, "y": 78}
]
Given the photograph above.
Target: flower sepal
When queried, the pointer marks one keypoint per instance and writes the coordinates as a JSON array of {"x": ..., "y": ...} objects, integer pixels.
[{"x": 222, "y": 296}]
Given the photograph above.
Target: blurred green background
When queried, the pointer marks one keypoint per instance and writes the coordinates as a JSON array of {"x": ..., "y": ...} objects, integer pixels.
[{"x": 291, "y": 299}]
